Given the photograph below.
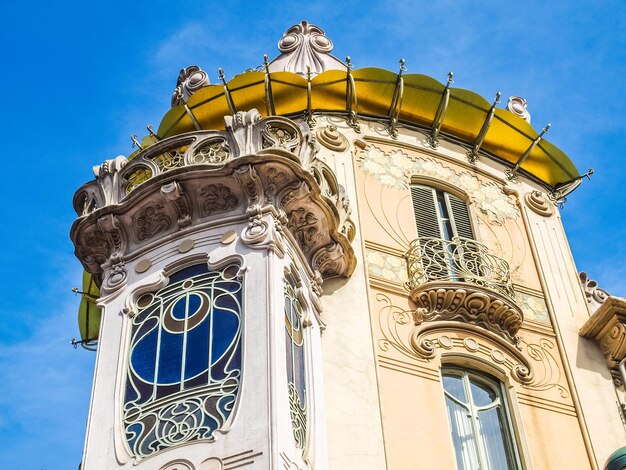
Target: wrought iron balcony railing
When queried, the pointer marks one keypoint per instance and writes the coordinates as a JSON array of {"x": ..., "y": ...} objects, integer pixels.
[{"x": 457, "y": 260}]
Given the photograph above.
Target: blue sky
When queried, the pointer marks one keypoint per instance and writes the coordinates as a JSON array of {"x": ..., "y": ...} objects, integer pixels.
[{"x": 77, "y": 80}]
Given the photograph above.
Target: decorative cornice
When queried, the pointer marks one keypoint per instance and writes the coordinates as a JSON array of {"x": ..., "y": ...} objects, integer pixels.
[
  {"x": 607, "y": 326},
  {"x": 257, "y": 166}
]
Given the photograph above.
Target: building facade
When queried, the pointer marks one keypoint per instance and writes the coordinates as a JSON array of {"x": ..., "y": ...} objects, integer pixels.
[{"x": 312, "y": 266}]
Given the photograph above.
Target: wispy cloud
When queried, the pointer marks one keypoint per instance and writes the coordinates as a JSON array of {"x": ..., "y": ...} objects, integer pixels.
[{"x": 45, "y": 387}]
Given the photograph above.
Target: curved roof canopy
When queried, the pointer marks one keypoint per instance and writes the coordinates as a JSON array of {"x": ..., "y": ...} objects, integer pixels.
[{"x": 373, "y": 93}]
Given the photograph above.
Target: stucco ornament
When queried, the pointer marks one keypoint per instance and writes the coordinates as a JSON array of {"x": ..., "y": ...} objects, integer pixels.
[
  {"x": 539, "y": 203},
  {"x": 305, "y": 48},
  {"x": 517, "y": 105},
  {"x": 533, "y": 365},
  {"x": 190, "y": 80},
  {"x": 394, "y": 169}
]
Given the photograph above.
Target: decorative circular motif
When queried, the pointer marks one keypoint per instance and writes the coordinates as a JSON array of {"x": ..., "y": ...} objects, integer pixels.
[
  {"x": 289, "y": 42},
  {"x": 228, "y": 237},
  {"x": 539, "y": 203},
  {"x": 498, "y": 356},
  {"x": 517, "y": 105},
  {"x": 445, "y": 342},
  {"x": 332, "y": 139},
  {"x": 143, "y": 266},
  {"x": 470, "y": 344},
  {"x": 186, "y": 245}
]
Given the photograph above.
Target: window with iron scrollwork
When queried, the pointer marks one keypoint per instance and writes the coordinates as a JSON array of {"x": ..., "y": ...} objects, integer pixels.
[
  {"x": 184, "y": 364},
  {"x": 296, "y": 370}
]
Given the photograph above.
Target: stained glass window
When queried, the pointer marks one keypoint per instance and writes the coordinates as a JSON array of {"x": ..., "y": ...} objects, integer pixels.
[
  {"x": 479, "y": 422},
  {"x": 184, "y": 365},
  {"x": 296, "y": 376}
]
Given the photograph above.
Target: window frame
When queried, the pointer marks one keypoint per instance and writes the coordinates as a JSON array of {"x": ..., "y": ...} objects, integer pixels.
[
  {"x": 447, "y": 189},
  {"x": 511, "y": 437}
]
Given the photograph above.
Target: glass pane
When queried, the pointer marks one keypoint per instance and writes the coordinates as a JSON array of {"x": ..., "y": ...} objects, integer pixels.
[
  {"x": 462, "y": 437},
  {"x": 482, "y": 394},
  {"x": 184, "y": 360},
  {"x": 494, "y": 436},
  {"x": 454, "y": 386}
]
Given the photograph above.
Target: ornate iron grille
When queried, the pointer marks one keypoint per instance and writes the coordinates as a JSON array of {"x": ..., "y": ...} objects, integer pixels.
[
  {"x": 184, "y": 366},
  {"x": 457, "y": 260}
]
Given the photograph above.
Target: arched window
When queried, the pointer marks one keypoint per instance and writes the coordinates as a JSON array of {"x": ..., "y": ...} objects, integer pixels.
[
  {"x": 184, "y": 363},
  {"x": 479, "y": 421}
]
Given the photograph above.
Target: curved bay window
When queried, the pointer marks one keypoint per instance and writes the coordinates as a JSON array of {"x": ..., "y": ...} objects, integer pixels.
[
  {"x": 479, "y": 421},
  {"x": 296, "y": 372},
  {"x": 184, "y": 363}
]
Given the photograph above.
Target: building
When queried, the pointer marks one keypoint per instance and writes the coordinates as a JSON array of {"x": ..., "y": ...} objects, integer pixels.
[{"x": 311, "y": 266}]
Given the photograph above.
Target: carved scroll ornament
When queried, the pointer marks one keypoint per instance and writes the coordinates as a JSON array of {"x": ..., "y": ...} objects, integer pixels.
[
  {"x": 282, "y": 177},
  {"x": 533, "y": 365}
]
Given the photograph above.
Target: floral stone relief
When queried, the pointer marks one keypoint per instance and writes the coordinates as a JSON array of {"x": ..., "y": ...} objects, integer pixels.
[
  {"x": 394, "y": 169},
  {"x": 392, "y": 268}
]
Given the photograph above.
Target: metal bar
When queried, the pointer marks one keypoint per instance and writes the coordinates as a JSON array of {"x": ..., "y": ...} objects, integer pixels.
[
  {"x": 269, "y": 96},
  {"x": 441, "y": 113},
  {"x": 351, "y": 98},
  {"x": 512, "y": 174},
  {"x": 309, "y": 110},
  {"x": 472, "y": 155},
  {"x": 152, "y": 133},
  {"x": 229, "y": 99},
  {"x": 396, "y": 102}
]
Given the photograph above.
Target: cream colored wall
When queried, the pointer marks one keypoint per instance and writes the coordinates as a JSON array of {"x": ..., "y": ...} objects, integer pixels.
[{"x": 548, "y": 412}]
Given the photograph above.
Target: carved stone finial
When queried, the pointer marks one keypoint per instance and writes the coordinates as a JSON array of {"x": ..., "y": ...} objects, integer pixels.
[
  {"x": 517, "y": 105},
  {"x": 305, "y": 45},
  {"x": 190, "y": 80}
]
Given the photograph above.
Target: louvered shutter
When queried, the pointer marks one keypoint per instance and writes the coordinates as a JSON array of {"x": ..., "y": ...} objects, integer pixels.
[
  {"x": 461, "y": 224},
  {"x": 425, "y": 210}
]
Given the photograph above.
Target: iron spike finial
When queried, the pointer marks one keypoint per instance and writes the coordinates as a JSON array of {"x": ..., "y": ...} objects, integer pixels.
[
  {"x": 221, "y": 75},
  {"x": 497, "y": 99},
  {"x": 349, "y": 63},
  {"x": 151, "y": 131},
  {"x": 450, "y": 77},
  {"x": 265, "y": 60},
  {"x": 136, "y": 142},
  {"x": 402, "y": 66}
]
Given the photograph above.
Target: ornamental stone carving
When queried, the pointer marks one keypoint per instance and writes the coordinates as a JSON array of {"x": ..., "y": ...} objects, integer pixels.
[
  {"x": 594, "y": 295},
  {"x": 332, "y": 139},
  {"x": 539, "y": 203},
  {"x": 305, "y": 49},
  {"x": 262, "y": 173},
  {"x": 217, "y": 198},
  {"x": 190, "y": 80},
  {"x": 517, "y": 105},
  {"x": 152, "y": 221},
  {"x": 467, "y": 303}
]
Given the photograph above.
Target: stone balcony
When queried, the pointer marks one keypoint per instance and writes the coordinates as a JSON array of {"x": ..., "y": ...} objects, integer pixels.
[{"x": 461, "y": 280}]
